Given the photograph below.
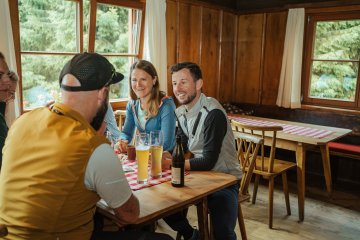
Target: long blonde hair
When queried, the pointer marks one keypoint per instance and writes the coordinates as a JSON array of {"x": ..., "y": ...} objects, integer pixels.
[{"x": 156, "y": 95}]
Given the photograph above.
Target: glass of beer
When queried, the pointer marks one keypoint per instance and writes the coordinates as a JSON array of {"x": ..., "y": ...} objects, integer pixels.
[
  {"x": 156, "y": 148},
  {"x": 142, "y": 148}
]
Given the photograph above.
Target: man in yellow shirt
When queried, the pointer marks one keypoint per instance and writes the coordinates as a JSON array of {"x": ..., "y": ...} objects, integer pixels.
[{"x": 56, "y": 167}]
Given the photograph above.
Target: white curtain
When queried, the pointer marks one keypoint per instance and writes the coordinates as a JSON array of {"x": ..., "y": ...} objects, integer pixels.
[
  {"x": 290, "y": 79},
  {"x": 155, "y": 38},
  {"x": 7, "y": 48}
]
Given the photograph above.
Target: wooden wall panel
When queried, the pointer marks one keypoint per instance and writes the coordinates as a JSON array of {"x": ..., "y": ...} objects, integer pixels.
[
  {"x": 273, "y": 51},
  {"x": 210, "y": 51},
  {"x": 189, "y": 37},
  {"x": 171, "y": 30},
  {"x": 227, "y": 57},
  {"x": 240, "y": 55},
  {"x": 249, "y": 52}
]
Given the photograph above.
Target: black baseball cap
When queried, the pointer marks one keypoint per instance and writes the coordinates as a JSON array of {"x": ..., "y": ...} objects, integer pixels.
[{"x": 92, "y": 70}]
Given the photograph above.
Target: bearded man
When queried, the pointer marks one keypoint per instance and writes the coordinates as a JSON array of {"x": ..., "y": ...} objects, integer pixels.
[{"x": 56, "y": 167}]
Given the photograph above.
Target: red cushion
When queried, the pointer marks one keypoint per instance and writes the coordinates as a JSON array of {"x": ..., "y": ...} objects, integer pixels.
[{"x": 343, "y": 147}]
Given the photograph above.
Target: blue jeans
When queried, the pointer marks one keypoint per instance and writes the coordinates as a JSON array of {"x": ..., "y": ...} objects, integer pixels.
[{"x": 223, "y": 206}]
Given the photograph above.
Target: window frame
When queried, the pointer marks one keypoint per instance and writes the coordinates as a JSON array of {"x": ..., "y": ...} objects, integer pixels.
[
  {"x": 139, "y": 4},
  {"x": 14, "y": 13},
  {"x": 309, "y": 43}
]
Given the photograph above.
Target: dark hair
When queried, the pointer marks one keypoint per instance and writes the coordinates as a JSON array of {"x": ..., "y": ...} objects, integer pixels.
[
  {"x": 156, "y": 94},
  {"x": 2, "y": 56},
  {"x": 194, "y": 69}
]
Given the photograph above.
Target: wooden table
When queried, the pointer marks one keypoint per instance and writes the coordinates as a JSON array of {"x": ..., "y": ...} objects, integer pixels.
[
  {"x": 163, "y": 199},
  {"x": 300, "y": 144}
]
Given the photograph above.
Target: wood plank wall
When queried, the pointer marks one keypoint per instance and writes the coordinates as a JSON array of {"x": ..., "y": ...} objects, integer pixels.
[{"x": 240, "y": 56}]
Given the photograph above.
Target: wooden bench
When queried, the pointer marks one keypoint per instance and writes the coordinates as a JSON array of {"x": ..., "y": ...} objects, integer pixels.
[{"x": 344, "y": 150}]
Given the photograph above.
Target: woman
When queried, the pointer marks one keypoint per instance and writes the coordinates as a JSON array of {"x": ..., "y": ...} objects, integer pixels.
[
  {"x": 149, "y": 108},
  {"x": 8, "y": 83}
]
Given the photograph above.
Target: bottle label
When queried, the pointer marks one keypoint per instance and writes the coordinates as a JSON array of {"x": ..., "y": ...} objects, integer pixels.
[{"x": 176, "y": 175}]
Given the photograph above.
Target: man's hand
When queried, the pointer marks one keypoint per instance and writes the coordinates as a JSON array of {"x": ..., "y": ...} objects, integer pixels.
[
  {"x": 7, "y": 90},
  {"x": 166, "y": 160}
]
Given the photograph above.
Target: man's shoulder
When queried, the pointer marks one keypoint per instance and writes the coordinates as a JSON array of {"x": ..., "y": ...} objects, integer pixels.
[
  {"x": 211, "y": 104},
  {"x": 37, "y": 113}
]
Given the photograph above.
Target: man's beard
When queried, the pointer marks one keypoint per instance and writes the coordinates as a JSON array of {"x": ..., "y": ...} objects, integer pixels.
[
  {"x": 189, "y": 99},
  {"x": 100, "y": 115}
]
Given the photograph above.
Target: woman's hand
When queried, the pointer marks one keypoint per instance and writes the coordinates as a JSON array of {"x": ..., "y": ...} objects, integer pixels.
[{"x": 123, "y": 146}]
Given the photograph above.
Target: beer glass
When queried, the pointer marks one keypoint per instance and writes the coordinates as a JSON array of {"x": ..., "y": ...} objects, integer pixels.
[
  {"x": 156, "y": 148},
  {"x": 142, "y": 148}
]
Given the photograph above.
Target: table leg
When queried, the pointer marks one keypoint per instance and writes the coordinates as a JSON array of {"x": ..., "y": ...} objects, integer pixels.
[
  {"x": 202, "y": 212},
  {"x": 300, "y": 161},
  {"x": 324, "y": 149}
]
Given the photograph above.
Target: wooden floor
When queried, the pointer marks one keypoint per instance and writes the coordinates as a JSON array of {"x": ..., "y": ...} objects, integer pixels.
[{"x": 323, "y": 220}]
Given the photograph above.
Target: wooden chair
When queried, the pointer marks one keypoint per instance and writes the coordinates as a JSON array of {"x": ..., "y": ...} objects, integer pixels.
[
  {"x": 120, "y": 115},
  {"x": 268, "y": 167}
]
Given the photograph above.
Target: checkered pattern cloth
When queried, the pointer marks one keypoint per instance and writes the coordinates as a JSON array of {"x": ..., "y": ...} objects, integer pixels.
[
  {"x": 131, "y": 176},
  {"x": 287, "y": 128}
]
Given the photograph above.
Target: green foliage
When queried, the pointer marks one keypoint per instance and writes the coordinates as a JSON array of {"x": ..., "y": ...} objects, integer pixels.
[
  {"x": 338, "y": 43},
  {"x": 47, "y": 25},
  {"x": 50, "y": 26}
]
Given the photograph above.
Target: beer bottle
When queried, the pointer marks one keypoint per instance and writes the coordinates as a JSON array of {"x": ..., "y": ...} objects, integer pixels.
[{"x": 178, "y": 164}]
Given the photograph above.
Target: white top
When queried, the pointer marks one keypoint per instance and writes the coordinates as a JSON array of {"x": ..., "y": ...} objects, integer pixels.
[
  {"x": 141, "y": 116},
  {"x": 104, "y": 175}
]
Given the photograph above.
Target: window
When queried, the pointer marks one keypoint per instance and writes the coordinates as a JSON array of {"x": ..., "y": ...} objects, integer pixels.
[
  {"x": 52, "y": 31},
  {"x": 332, "y": 57}
]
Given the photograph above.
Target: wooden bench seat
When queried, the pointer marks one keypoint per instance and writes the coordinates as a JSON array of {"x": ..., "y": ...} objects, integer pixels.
[{"x": 344, "y": 150}]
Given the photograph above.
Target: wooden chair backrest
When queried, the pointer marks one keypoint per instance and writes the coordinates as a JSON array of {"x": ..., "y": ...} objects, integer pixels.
[
  {"x": 120, "y": 114},
  {"x": 261, "y": 131},
  {"x": 247, "y": 150}
]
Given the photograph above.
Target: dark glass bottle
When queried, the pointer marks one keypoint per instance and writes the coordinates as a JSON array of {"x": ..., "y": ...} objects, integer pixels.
[{"x": 178, "y": 164}]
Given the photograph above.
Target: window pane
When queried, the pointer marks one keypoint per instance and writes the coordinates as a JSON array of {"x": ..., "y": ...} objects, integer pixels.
[
  {"x": 334, "y": 80},
  {"x": 337, "y": 40},
  {"x": 117, "y": 29},
  {"x": 40, "y": 78},
  {"x": 86, "y": 20},
  {"x": 48, "y": 25},
  {"x": 122, "y": 65}
]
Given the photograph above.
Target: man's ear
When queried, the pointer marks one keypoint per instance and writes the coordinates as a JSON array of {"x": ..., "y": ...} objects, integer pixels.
[
  {"x": 103, "y": 93},
  {"x": 199, "y": 84}
]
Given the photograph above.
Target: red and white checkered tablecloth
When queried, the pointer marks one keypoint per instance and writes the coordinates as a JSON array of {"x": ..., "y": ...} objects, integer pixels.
[
  {"x": 287, "y": 128},
  {"x": 132, "y": 176}
]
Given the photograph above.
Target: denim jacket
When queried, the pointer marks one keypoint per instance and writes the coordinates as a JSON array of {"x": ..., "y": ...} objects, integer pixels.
[
  {"x": 165, "y": 121},
  {"x": 111, "y": 124}
]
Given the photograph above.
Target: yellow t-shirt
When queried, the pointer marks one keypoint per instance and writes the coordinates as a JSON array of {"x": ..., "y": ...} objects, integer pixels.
[{"x": 42, "y": 192}]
